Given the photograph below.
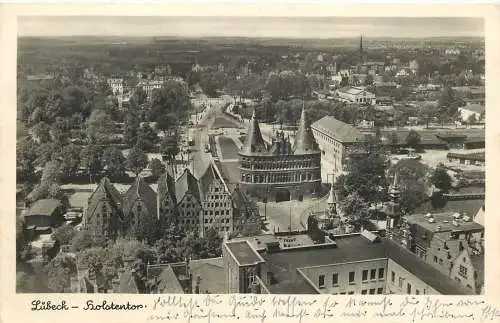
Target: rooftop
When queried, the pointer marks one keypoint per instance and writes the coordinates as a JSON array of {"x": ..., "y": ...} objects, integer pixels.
[
  {"x": 243, "y": 253},
  {"x": 479, "y": 108},
  {"x": 211, "y": 273},
  {"x": 339, "y": 130},
  {"x": 283, "y": 264},
  {"x": 431, "y": 276},
  {"x": 443, "y": 222},
  {"x": 471, "y": 156},
  {"x": 44, "y": 207}
]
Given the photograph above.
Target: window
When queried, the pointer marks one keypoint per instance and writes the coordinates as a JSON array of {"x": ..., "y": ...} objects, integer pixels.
[
  {"x": 381, "y": 273},
  {"x": 350, "y": 292},
  {"x": 372, "y": 291},
  {"x": 364, "y": 275},
  {"x": 393, "y": 276},
  {"x": 435, "y": 259},
  {"x": 440, "y": 261},
  {"x": 373, "y": 274},
  {"x": 351, "y": 277},
  {"x": 321, "y": 281},
  {"x": 400, "y": 282},
  {"x": 417, "y": 291},
  {"x": 380, "y": 290},
  {"x": 462, "y": 271},
  {"x": 408, "y": 288},
  {"x": 335, "y": 279},
  {"x": 364, "y": 291}
]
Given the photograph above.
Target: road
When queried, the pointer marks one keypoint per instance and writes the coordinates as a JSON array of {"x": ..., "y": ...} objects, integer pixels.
[{"x": 201, "y": 159}]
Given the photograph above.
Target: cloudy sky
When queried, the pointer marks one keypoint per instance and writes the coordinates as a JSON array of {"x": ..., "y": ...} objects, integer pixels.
[{"x": 324, "y": 27}]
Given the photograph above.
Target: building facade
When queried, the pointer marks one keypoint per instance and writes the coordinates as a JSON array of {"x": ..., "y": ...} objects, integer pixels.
[
  {"x": 356, "y": 95},
  {"x": 189, "y": 203},
  {"x": 336, "y": 141},
  {"x": 280, "y": 171},
  {"x": 216, "y": 202},
  {"x": 103, "y": 217}
]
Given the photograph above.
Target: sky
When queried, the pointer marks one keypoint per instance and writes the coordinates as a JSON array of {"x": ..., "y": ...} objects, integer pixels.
[{"x": 285, "y": 27}]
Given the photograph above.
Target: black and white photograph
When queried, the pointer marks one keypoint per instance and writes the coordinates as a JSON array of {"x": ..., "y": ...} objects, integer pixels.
[{"x": 252, "y": 155}]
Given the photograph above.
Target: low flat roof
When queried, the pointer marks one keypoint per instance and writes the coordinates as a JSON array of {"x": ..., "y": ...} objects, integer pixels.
[
  {"x": 444, "y": 221},
  {"x": 243, "y": 253}
]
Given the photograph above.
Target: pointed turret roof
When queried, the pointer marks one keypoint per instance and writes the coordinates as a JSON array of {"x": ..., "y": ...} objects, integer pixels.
[
  {"x": 254, "y": 143},
  {"x": 304, "y": 140},
  {"x": 140, "y": 190}
]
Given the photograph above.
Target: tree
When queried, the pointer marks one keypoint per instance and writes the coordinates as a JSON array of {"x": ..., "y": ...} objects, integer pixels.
[
  {"x": 40, "y": 191},
  {"x": 137, "y": 160},
  {"x": 60, "y": 130},
  {"x": 91, "y": 158},
  {"x": 52, "y": 172},
  {"x": 45, "y": 152},
  {"x": 366, "y": 174},
  {"x": 60, "y": 271},
  {"x": 368, "y": 80},
  {"x": 157, "y": 168},
  {"x": 170, "y": 147},
  {"x": 84, "y": 240},
  {"x": 355, "y": 208},
  {"x": 146, "y": 138},
  {"x": 131, "y": 127},
  {"x": 441, "y": 179},
  {"x": 70, "y": 159},
  {"x": 139, "y": 96},
  {"x": 64, "y": 234},
  {"x": 413, "y": 181},
  {"x": 99, "y": 127},
  {"x": 114, "y": 162},
  {"x": 26, "y": 157},
  {"x": 394, "y": 140},
  {"x": 171, "y": 100},
  {"x": 472, "y": 119},
  {"x": 413, "y": 139},
  {"x": 41, "y": 130}
]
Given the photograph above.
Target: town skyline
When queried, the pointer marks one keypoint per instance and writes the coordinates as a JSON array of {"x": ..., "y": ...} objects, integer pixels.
[{"x": 250, "y": 27}]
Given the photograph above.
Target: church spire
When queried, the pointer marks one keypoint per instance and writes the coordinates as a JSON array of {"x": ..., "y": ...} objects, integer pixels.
[
  {"x": 253, "y": 142},
  {"x": 304, "y": 140},
  {"x": 361, "y": 54}
]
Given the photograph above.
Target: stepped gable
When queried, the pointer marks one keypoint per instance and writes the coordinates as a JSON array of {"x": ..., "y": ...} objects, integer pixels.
[
  {"x": 304, "y": 140},
  {"x": 186, "y": 183},
  {"x": 254, "y": 143},
  {"x": 104, "y": 191},
  {"x": 140, "y": 190},
  {"x": 166, "y": 185},
  {"x": 210, "y": 175}
]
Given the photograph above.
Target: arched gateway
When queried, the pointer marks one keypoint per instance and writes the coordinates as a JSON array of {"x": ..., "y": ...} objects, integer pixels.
[{"x": 280, "y": 169}]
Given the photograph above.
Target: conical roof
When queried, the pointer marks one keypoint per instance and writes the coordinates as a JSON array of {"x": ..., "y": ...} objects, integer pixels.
[
  {"x": 254, "y": 143},
  {"x": 394, "y": 189},
  {"x": 304, "y": 140}
]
